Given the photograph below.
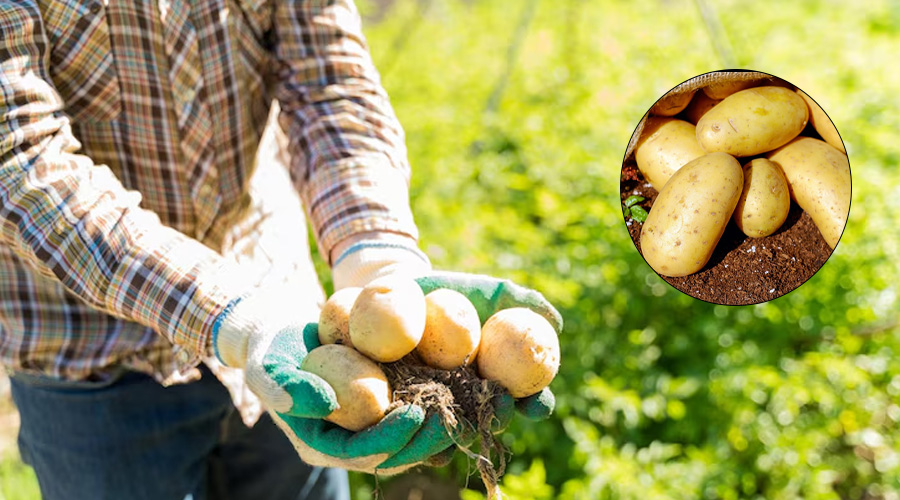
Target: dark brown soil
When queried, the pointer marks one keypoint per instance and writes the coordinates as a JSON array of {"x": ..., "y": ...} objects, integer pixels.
[
  {"x": 742, "y": 270},
  {"x": 465, "y": 403}
]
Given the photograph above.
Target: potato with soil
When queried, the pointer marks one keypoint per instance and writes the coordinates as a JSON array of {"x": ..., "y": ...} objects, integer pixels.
[
  {"x": 387, "y": 320},
  {"x": 690, "y": 214},
  {"x": 823, "y": 125},
  {"x": 362, "y": 389},
  {"x": 765, "y": 200},
  {"x": 452, "y": 330},
  {"x": 753, "y": 121},
  {"x": 334, "y": 319},
  {"x": 666, "y": 145},
  {"x": 819, "y": 179},
  {"x": 519, "y": 350}
]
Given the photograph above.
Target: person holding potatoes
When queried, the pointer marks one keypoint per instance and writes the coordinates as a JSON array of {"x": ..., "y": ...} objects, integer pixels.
[{"x": 155, "y": 278}]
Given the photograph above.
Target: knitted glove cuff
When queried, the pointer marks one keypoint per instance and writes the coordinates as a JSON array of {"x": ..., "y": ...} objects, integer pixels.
[{"x": 367, "y": 260}]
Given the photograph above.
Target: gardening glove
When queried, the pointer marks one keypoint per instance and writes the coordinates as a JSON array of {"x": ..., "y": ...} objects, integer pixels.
[{"x": 259, "y": 334}]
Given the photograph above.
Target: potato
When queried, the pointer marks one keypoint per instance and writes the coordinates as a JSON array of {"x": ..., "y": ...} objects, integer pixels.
[
  {"x": 452, "y": 330},
  {"x": 519, "y": 350},
  {"x": 334, "y": 319},
  {"x": 362, "y": 389},
  {"x": 823, "y": 125},
  {"x": 819, "y": 179},
  {"x": 752, "y": 121},
  {"x": 690, "y": 214},
  {"x": 666, "y": 144},
  {"x": 388, "y": 318},
  {"x": 721, "y": 90},
  {"x": 765, "y": 199},
  {"x": 671, "y": 104},
  {"x": 700, "y": 104}
]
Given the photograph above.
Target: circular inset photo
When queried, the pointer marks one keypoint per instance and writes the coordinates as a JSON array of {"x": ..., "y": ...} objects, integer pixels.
[{"x": 735, "y": 187}]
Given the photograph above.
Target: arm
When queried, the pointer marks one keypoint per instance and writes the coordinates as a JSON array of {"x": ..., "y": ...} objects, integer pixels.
[
  {"x": 73, "y": 221},
  {"x": 347, "y": 148}
]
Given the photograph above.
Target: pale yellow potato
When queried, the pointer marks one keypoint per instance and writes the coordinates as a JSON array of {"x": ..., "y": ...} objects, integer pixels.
[
  {"x": 823, "y": 125},
  {"x": 700, "y": 104},
  {"x": 666, "y": 144},
  {"x": 334, "y": 319},
  {"x": 519, "y": 350},
  {"x": 388, "y": 318},
  {"x": 362, "y": 389},
  {"x": 819, "y": 179},
  {"x": 753, "y": 121},
  {"x": 721, "y": 90},
  {"x": 671, "y": 104},
  {"x": 690, "y": 214},
  {"x": 765, "y": 200},
  {"x": 452, "y": 330}
]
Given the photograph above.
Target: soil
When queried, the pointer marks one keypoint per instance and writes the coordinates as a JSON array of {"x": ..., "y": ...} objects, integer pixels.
[
  {"x": 464, "y": 402},
  {"x": 742, "y": 270}
]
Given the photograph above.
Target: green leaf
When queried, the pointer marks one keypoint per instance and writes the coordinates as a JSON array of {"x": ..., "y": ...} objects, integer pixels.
[
  {"x": 631, "y": 200},
  {"x": 638, "y": 214}
]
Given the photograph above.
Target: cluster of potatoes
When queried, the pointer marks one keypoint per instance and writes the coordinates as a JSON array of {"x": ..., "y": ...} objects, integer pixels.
[
  {"x": 694, "y": 164},
  {"x": 391, "y": 317}
]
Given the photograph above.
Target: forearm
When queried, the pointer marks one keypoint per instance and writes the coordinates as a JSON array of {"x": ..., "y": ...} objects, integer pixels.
[
  {"x": 347, "y": 147},
  {"x": 74, "y": 222}
]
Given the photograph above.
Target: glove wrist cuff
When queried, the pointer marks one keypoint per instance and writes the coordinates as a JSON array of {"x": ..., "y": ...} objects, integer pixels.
[
  {"x": 231, "y": 333},
  {"x": 367, "y": 260}
]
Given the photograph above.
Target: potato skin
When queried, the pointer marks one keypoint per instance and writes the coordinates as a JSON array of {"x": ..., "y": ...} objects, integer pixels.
[
  {"x": 765, "y": 200},
  {"x": 388, "y": 318},
  {"x": 819, "y": 179},
  {"x": 666, "y": 144},
  {"x": 334, "y": 319},
  {"x": 723, "y": 89},
  {"x": 452, "y": 330},
  {"x": 753, "y": 121},
  {"x": 690, "y": 214},
  {"x": 519, "y": 350},
  {"x": 699, "y": 106},
  {"x": 671, "y": 104},
  {"x": 823, "y": 125},
  {"x": 361, "y": 387}
]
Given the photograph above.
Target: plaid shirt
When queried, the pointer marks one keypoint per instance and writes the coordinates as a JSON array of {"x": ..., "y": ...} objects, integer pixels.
[{"x": 128, "y": 137}]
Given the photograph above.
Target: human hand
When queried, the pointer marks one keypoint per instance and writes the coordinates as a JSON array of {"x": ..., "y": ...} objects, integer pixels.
[{"x": 258, "y": 334}]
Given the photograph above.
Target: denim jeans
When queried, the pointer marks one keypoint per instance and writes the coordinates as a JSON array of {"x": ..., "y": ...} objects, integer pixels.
[{"x": 131, "y": 438}]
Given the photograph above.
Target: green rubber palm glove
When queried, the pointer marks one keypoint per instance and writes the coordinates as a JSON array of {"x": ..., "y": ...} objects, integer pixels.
[
  {"x": 490, "y": 295},
  {"x": 258, "y": 334}
]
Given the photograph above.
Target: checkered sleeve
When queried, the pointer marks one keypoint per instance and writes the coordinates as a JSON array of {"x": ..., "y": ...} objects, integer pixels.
[
  {"x": 348, "y": 156},
  {"x": 73, "y": 221}
]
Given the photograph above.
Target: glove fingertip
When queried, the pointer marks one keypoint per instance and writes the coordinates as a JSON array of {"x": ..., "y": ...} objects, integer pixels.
[
  {"x": 311, "y": 336},
  {"x": 312, "y": 396},
  {"x": 538, "y": 406}
]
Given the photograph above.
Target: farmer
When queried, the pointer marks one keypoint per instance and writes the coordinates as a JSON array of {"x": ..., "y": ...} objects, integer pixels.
[{"x": 156, "y": 158}]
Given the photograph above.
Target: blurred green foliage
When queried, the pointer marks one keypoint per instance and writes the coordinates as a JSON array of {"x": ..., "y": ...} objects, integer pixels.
[{"x": 660, "y": 395}]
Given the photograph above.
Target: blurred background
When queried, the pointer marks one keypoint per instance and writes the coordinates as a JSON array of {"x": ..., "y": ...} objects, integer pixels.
[{"x": 517, "y": 116}]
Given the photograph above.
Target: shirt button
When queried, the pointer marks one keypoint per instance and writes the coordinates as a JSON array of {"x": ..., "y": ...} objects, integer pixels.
[{"x": 205, "y": 191}]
